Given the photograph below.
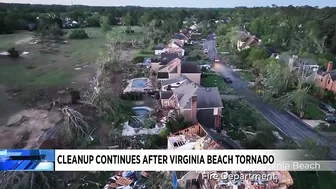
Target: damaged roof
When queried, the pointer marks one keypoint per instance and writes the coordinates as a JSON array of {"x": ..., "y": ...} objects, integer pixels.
[
  {"x": 180, "y": 79},
  {"x": 223, "y": 141}
]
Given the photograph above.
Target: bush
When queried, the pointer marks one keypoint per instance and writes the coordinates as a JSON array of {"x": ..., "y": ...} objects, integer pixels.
[
  {"x": 138, "y": 59},
  {"x": 132, "y": 96},
  {"x": 312, "y": 111},
  {"x": 13, "y": 53},
  {"x": 78, "y": 34}
]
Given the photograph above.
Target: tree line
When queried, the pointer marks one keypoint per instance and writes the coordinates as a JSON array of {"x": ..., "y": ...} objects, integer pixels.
[{"x": 303, "y": 28}]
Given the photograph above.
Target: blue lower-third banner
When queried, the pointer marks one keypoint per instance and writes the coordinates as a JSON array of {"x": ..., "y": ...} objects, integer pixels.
[{"x": 27, "y": 160}]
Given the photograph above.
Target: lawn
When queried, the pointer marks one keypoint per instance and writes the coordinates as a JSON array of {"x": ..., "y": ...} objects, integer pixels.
[
  {"x": 214, "y": 80},
  {"x": 117, "y": 32},
  {"x": 246, "y": 75},
  {"x": 52, "y": 64}
]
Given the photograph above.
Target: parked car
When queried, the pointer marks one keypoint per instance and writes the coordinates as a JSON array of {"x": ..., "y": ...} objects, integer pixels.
[
  {"x": 330, "y": 119},
  {"x": 227, "y": 80},
  {"x": 326, "y": 107}
]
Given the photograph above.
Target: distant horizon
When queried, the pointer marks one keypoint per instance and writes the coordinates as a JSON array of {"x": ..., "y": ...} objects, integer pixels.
[{"x": 180, "y": 4}]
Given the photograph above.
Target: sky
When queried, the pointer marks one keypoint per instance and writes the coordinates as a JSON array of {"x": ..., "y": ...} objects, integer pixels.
[{"x": 182, "y": 3}]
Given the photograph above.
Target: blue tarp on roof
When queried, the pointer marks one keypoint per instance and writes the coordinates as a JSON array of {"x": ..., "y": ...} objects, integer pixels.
[{"x": 174, "y": 179}]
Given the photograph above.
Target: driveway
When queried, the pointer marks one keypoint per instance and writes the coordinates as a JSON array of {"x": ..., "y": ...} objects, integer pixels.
[{"x": 286, "y": 123}]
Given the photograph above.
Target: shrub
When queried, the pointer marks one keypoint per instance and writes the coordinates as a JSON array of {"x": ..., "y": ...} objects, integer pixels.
[
  {"x": 138, "y": 59},
  {"x": 13, "y": 53},
  {"x": 132, "y": 96},
  {"x": 78, "y": 34}
]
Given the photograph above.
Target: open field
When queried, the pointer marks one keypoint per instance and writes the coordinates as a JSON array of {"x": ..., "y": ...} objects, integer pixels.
[{"x": 45, "y": 73}]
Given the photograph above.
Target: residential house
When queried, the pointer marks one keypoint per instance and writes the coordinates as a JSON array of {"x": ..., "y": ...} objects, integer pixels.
[
  {"x": 170, "y": 84},
  {"x": 175, "y": 46},
  {"x": 180, "y": 51},
  {"x": 305, "y": 68},
  {"x": 196, "y": 137},
  {"x": 197, "y": 104},
  {"x": 164, "y": 59},
  {"x": 158, "y": 49},
  {"x": 187, "y": 32},
  {"x": 175, "y": 43},
  {"x": 181, "y": 37},
  {"x": 194, "y": 28},
  {"x": 167, "y": 99},
  {"x": 246, "y": 41},
  {"x": 326, "y": 79},
  {"x": 176, "y": 68}
]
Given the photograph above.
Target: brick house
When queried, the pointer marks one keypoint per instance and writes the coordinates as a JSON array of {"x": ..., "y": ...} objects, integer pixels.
[
  {"x": 197, "y": 104},
  {"x": 327, "y": 79}
]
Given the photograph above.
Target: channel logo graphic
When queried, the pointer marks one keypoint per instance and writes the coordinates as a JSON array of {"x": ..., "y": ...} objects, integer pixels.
[{"x": 27, "y": 160}]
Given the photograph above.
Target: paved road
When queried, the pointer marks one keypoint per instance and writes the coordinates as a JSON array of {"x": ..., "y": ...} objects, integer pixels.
[{"x": 285, "y": 122}]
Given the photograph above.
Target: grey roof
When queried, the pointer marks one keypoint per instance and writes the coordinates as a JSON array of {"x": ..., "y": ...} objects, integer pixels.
[
  {"x": 178, "y": 36},
  {"x": 323, "y": 72},
  {"x": 206, "y": 97},
  {"x": 184, "y": 93},
  {"x": 190, "y": 68},
  {"x": 166, "y": 94},
  {"x": 178, "y": 44},
  {"x": 175, "y": 80},
  {"x": 163, "y": 75},
  {"x": 160, "y": 47},
  {"x": 167, "y": 57},
  {"x": 206, "y": 118}
]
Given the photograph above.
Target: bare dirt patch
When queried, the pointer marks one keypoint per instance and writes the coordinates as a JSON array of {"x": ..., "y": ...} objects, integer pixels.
[{"x": 24, "y": 129}]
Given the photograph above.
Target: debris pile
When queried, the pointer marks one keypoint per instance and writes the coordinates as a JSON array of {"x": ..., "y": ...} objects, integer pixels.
[{"x": 127, "y": 180}]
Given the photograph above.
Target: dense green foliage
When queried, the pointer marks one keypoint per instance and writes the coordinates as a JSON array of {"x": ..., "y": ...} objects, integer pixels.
[{"x": 78, "y": 34}]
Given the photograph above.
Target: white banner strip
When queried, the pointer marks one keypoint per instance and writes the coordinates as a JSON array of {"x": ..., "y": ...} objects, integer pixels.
[{"x": 178, "y": 160}]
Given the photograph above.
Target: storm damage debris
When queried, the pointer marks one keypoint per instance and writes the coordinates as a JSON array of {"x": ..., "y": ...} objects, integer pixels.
[{"x": 127, "y": 179}]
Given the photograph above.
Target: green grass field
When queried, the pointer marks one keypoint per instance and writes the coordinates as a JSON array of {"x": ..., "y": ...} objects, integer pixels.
[
  {"x": 117, "y": 32},
  {"x": 213, "y": 80},
  {"x": 53, "y": 67}
]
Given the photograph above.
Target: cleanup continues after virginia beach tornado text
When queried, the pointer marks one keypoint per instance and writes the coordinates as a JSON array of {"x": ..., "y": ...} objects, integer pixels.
[{"x": 166, "y": 159}]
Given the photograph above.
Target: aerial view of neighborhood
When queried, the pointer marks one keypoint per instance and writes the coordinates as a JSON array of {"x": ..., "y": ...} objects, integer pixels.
[{"x": 135, "y": 76}]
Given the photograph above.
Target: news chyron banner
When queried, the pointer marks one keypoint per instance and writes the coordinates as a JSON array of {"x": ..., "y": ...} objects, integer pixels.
[
  {"x": 161, "y": 160},
  {"x": 27, "y": 160}
]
